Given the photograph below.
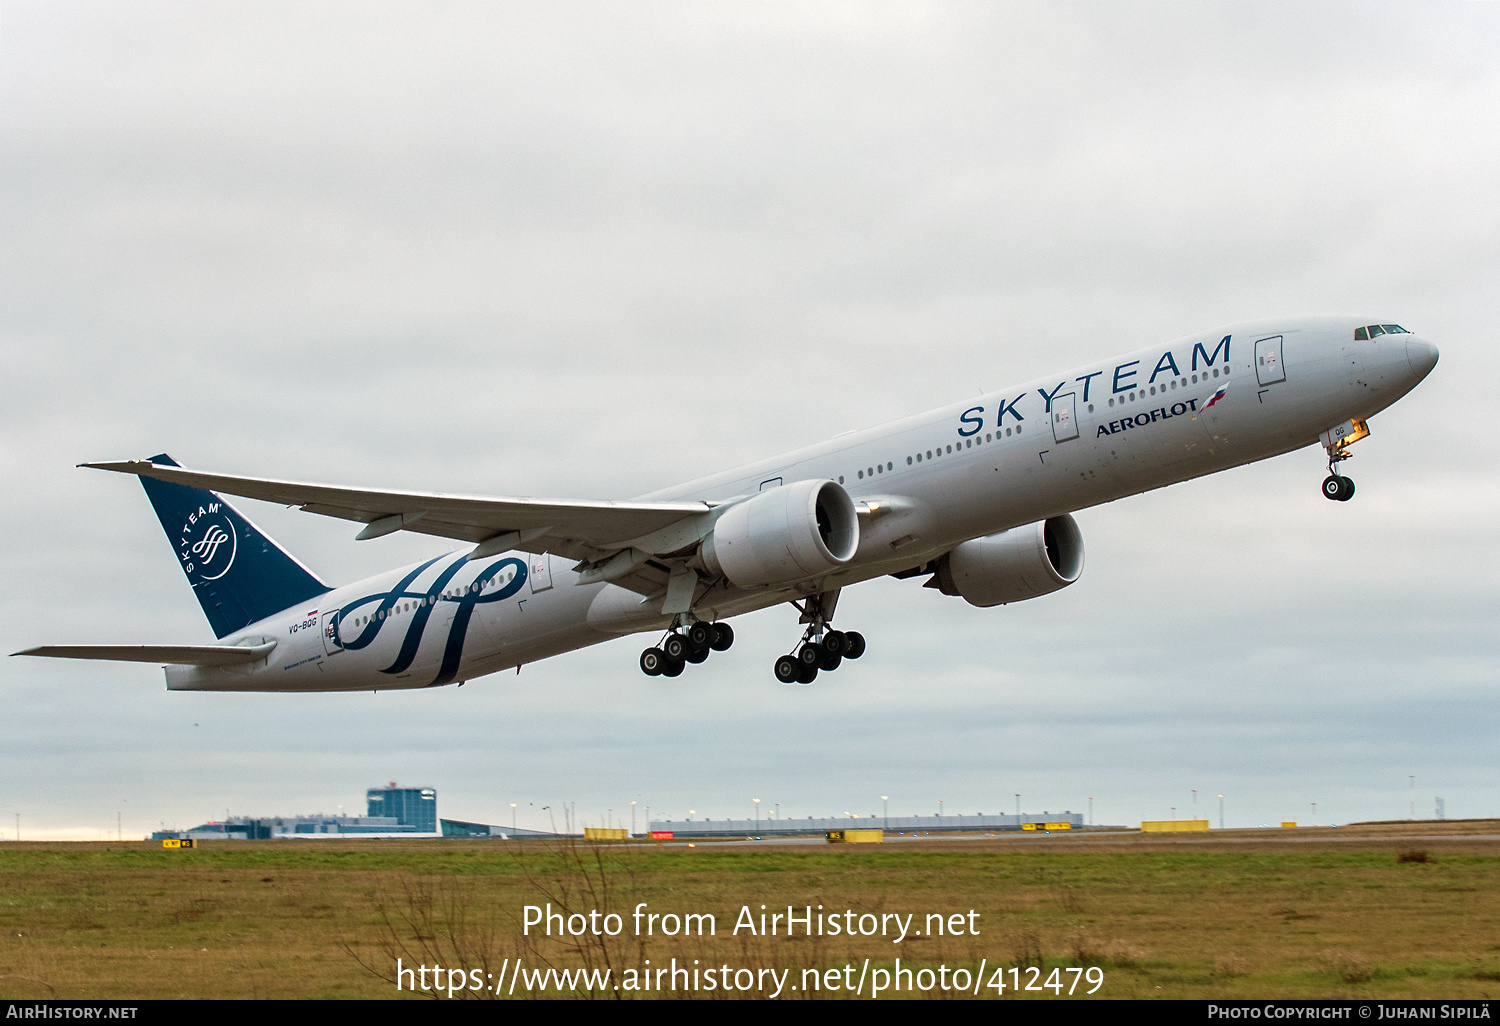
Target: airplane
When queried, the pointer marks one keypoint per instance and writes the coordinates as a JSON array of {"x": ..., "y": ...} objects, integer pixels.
[{"x": 976, "y": 497}]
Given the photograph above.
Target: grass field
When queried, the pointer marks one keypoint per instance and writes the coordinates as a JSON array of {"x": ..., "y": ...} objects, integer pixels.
[{"x": 1305, "y": 913}]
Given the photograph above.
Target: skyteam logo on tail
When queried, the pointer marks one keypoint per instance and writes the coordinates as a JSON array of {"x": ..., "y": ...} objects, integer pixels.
[{"x": 207, "y": 543}]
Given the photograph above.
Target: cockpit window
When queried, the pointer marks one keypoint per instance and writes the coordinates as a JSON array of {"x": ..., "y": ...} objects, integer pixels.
[{"x": 1369, "y": 331}]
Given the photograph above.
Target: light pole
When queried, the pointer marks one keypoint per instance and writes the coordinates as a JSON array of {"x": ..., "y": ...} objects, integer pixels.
[
  {"x": 1091, "y": 810},
  {"x": 1018, "y": 809},
  {"x": 940, "y": 808},
  {"x": 512, "y": 817},
  {"x": 1195, "y": 803},
  {"x": 690, "y": 814},
  {"x": 757, "y": 814},
  {"x": 1315, "y": 813},
  {"x": 776, "y": 812},
  {"x": 1221, "y": 812},
  {"x": 1413, "y": 780},
  {"x": 632, "y": 819},
  {"x": 886, "y": 811}
]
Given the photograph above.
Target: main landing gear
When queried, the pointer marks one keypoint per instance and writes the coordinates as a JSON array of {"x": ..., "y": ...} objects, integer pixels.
[
  {"x": 690, "y": 645},
  {"x": 825, "y": 652},
  {"x": 821, "y": 648}
]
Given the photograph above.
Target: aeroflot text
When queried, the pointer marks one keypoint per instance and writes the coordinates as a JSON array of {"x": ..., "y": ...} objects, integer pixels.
[
  {"x": 794, "y": 922},
  {"x": 1114, "y": 427}
]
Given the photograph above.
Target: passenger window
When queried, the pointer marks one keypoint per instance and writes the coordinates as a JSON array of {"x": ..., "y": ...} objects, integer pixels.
[
  {"x": 908, "y": 461},
  {"x": 1111, "y": 402},
  {"x": 861, "y": 475},
  {"x": 879, "y": 470},
  {"x": 1216, "y": 372},
  {"x": 841, "y": 479},
  {"x": 987, "y": 437}
]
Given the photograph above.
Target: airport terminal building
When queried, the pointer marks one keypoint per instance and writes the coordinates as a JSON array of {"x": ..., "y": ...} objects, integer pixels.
[{"x": 391, "y": 811}]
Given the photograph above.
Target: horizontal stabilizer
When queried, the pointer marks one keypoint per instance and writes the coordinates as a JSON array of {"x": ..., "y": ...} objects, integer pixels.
[{"x": 189, "y": 655}]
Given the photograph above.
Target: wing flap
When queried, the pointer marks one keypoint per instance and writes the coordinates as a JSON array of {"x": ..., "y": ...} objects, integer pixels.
[{"x": 188, "y": 655}]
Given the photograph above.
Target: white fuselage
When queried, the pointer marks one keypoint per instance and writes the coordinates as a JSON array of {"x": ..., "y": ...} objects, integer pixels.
[{"x": 971, "y": 469}]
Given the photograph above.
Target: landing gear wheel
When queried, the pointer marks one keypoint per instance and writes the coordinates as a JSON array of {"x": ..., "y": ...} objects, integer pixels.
[
  {"x": 697, "y": 655},
  {"x": 810, "y": 655},
  {"x": 675, "y": 647},
  {"x": 830, "y": 662},
  {"x": 700, "y": 635},
  {"x": 723, "y": 637},
  {"x": 672, "y": 668},
  {"x": 652, "y": 662},
  {"x": 787, "y": 669},
  {"x": 856, "y": 645},
  {"x": 835, "y": 643},
  {"x": 807, "y": 674},
  {"x": 1340, "y": 489}
]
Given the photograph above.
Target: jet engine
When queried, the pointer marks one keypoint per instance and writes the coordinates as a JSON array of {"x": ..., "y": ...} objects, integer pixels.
[
  {"x": 1018, "y": 564},
  {"x": 784, "y": 535}
]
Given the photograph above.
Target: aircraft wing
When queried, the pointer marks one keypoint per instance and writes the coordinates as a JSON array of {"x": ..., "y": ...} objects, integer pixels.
[
  {"x": 191, "y": 655},
  {"x": 578, "y": 528}
]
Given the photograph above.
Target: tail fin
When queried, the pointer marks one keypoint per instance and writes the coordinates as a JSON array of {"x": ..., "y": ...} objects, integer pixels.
[{"x": 239, "y": 575}]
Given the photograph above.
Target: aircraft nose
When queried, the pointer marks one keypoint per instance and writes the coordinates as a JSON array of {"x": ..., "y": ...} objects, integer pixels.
[{"x": 1422, "y": 356}]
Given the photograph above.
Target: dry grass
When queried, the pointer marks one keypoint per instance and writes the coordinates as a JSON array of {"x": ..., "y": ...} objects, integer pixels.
[{"x": 277, "y": 919}]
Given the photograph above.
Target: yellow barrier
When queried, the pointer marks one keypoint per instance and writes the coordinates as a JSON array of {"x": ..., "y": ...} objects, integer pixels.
[
  {"x": 1173, "y": 826},
  {"x": 1288, "y": 822},
  {"x": 173, "y": 842},
  {"x": 1046, "y": 826},
  {"x": 856, "y": 836},
  {"x": 605, "y": 833}
]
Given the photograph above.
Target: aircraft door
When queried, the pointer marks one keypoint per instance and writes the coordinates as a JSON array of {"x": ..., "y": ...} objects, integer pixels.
[
  {"x": 1064, "y": 417},
  {"x": 332, "y": 643},
  {"x": 1268, "y": 368},
  {"x": 540, "y": 572}
]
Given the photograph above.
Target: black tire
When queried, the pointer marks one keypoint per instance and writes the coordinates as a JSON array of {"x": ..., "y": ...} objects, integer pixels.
[
  {"x": 699, "y": 636},
  {"x": 807, "y": 674},
  {"x": 652, "y": 661},
  {"x": 697, "y": 655},
  {"x": 1348, "y": 489},
  {"x": 856, "y": 645},
  {"x": 787, "y": 669},
  {"x": 810, "y": 655},
  {"x": 830, "y": 662},
  {"x": 1333, "y": 487},
  {"x": 675, "y": 647},
  {"x": 834, "y": 643},
  {"x": 723, "y": 637},
  {"x": 673, "y": 668}
]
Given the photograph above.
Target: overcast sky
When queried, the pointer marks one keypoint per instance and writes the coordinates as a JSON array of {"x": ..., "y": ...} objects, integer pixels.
[{"x": 589, "y": 250}]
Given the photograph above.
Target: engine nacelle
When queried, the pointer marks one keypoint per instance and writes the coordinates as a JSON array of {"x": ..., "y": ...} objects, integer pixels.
[
  {"x": 784, "y": 535},
  {"x": 1013, "y": 565}
]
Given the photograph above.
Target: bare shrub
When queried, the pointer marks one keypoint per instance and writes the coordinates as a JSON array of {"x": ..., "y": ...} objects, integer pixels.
[
  {"x": 1026, "y": 949},
  {"x": 436, "y": 922},
  {"x": 1090, "y": 950},
  {"x": 1350, "y": 966}
]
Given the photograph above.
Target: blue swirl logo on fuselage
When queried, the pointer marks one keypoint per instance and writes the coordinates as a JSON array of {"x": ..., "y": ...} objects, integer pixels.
[{"x": 426, "y": 601}]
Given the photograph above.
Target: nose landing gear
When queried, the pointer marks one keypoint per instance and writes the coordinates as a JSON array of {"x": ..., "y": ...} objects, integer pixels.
[{"x": 1336, "y": 442}]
